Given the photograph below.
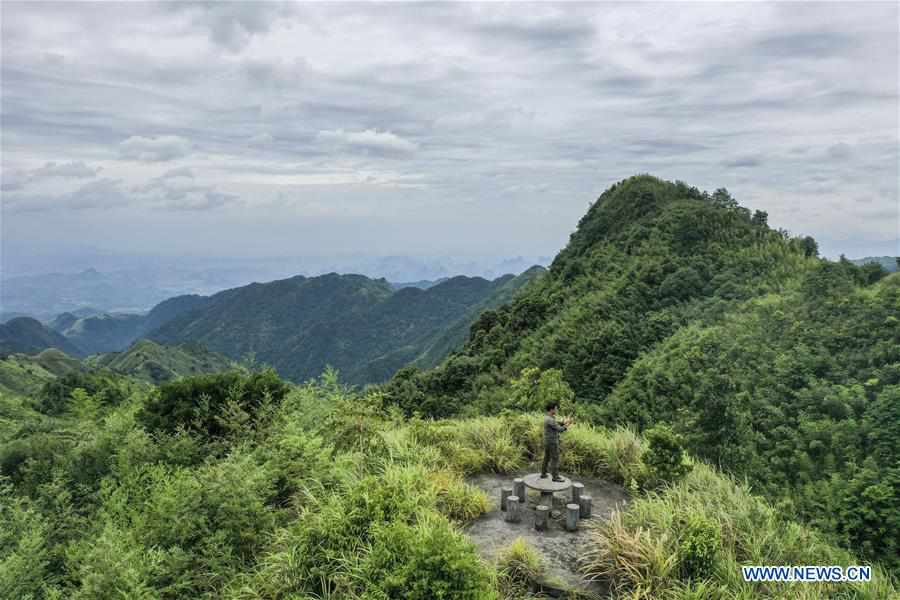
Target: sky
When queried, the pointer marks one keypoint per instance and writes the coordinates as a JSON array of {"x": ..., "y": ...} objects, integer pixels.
[{"x": 269, "y": 129}]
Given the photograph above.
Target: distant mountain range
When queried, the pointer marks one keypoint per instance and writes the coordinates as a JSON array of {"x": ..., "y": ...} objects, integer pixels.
[
  {"x": 888, "y": 262},
  {"x": 366, "y": 328},
  {"x": 30, "y": 336},
  {"x": 137, "y": 284},
  {"x": 363, "y": 327}
]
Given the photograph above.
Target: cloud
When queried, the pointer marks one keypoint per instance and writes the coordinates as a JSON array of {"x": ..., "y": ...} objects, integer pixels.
[
  {"x": 370, "y": 140},
  {"x": 232, "y": 25},
  {"x": 440, "y": 115},
  {"x": 739, "y": 162},
  {"x": 155, "y": 149},
  {"x": 74, "y": 169},
  {"x": 800, "y": 45}
]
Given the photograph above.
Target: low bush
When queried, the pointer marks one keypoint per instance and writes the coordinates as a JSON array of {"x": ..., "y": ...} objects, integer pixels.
[{"x": 425, "y": 561}]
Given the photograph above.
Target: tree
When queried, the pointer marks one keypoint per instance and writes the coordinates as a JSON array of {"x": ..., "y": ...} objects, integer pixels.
[{"x": 810, "y": 246}]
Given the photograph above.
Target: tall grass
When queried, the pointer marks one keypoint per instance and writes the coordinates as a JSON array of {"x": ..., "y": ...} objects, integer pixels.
[{"x": 642, "y": 550}]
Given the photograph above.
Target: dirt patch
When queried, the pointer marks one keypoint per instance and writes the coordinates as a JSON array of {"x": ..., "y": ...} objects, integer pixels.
[{"x": 559, "y": 548}]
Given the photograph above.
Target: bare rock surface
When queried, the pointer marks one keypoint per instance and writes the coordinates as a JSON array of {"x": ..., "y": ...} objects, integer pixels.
[{"x": 559, "y": 548}]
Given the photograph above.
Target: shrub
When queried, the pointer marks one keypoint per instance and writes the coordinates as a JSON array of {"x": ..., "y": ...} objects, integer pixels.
[
  {"x": 519, "y": 565},
  {"x": 665, "y": 457},
  {"x": 197, "y": 403},
  {"x": 456, "y": 499},
  {"x": 55, "y": 397},
  {"x": 698, "y": 550},
  {"x": 426, "y": 561}
]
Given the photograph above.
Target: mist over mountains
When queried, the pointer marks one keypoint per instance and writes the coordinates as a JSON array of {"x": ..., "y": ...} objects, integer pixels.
[{"x": 134, "y": 285}]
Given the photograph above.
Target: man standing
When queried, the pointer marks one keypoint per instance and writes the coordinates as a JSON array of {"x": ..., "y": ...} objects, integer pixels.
[{"x": 552, "y": 429}]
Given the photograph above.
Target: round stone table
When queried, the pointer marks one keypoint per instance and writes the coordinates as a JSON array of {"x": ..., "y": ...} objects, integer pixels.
[{"x": 547, "y": 487}]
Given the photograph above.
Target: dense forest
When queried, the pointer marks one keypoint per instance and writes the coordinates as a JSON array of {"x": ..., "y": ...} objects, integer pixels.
[
  {"x": 670, "y": 305},
  {"x": 744, "y": 392}
]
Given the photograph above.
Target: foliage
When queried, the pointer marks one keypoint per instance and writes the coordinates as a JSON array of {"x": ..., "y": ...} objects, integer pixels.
[
  {"x": 679, "y": 307},
  {"x": 362, "y": 327},
  {"x": 696, "y": 534},
  {"x": 55, "y": 396},
  {"x": 698, "y": 549},
  {"x": 665, "y": 458},
  {"x": 198, "y": 403},
  {"x": 519, "y": 566}
]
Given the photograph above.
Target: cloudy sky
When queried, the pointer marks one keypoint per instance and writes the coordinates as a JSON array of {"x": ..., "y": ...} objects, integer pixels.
[{"x": 259, "y": 129}]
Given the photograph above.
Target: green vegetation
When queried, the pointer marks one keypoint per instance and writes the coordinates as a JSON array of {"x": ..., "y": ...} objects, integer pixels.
[
  {"x": 888, "y": 263},
  {"x": 28, "y": 336},
  {"x": 744, "y": 391},
  {"x": 327, "y": 493},
  {"x": 363, "y": 327},
  {"x": 148, "y": 361},
  {"x": 675, "y": 306}
]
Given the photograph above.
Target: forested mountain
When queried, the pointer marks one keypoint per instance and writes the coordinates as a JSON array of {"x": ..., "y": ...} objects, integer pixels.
[
  {"x": 888, "y": 263},
  {"x": 148, "y": 361},
  {"x": 670, "y": 305},
  {"x": 25, "y": 374},
  {"x": 363, "y": 327},
  {"x": 100, "y": 332},
  {"x": 672, "y": 311},
  {"x": 29, "y": 336}
]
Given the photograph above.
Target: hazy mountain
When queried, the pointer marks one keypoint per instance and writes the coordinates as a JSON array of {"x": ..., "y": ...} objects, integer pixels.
[
  {"x": 134, "y": 284},
  {"x": 155, "y": 363},
  {"x": 103, "y": 332},
  {"x": 25, "y": 374},
  {"x": 28, "y": 336},
  {"x": 888, "y": 262},
  {"x": 361, "y": 326}
]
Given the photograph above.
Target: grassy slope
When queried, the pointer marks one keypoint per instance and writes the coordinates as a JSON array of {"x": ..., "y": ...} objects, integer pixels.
[
  {"x": 155, "y": 363},
  {"x": 328, "y": 496}
]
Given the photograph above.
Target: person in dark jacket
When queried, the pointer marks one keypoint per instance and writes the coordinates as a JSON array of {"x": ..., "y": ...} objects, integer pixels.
[{"x": 552, "y": 429}]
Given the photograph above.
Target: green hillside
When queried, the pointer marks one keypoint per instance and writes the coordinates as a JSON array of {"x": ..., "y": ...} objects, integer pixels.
[
  {"x": 94, "y": 332},
  {"x": 888, "y": 263},
  {"x": 670, "y": 305},
  {"x": 100, "y": 333},
  {"x": 238, "y": 486},
  {"x": 363, "y": 327},
  {"x": 454, "y": 336},
  {"x": 148, "y": 361},
  {"x": 30, "y": 336}
]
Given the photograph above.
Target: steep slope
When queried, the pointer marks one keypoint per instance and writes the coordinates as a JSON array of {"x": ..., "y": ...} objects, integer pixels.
[
  {"x": 361, "y": 326},
  {"x": 647, "y": 258},
  {"x": 102, "y": 332},
  {"x": 148, "y": 361},
  {"x": 29, "y": 336},
  {"x": 454, "y": 337},
  {"x": 674, "y": 306}
]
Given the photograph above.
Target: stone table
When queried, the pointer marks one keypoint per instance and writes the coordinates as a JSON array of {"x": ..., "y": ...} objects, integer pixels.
[{"x": 547, "y": 487}]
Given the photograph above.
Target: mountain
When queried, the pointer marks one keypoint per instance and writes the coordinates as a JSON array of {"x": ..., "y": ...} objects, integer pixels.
[
  {"x": 363, "y": 327},
  {"x": 100, "y": 333},
  {"x": 888, "y": 263},
  {"x": 94, "y": 332},
  {"x": 148, "y": 361},
  {"x": 9, "y": 316},
  {"x": 672, "y": 306},
  {"x": 25, "y": 374},
  {"x": 29, "y": 336},
  {"x": 454, "y": 336},
  {"x": 421, "y": 284}
]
